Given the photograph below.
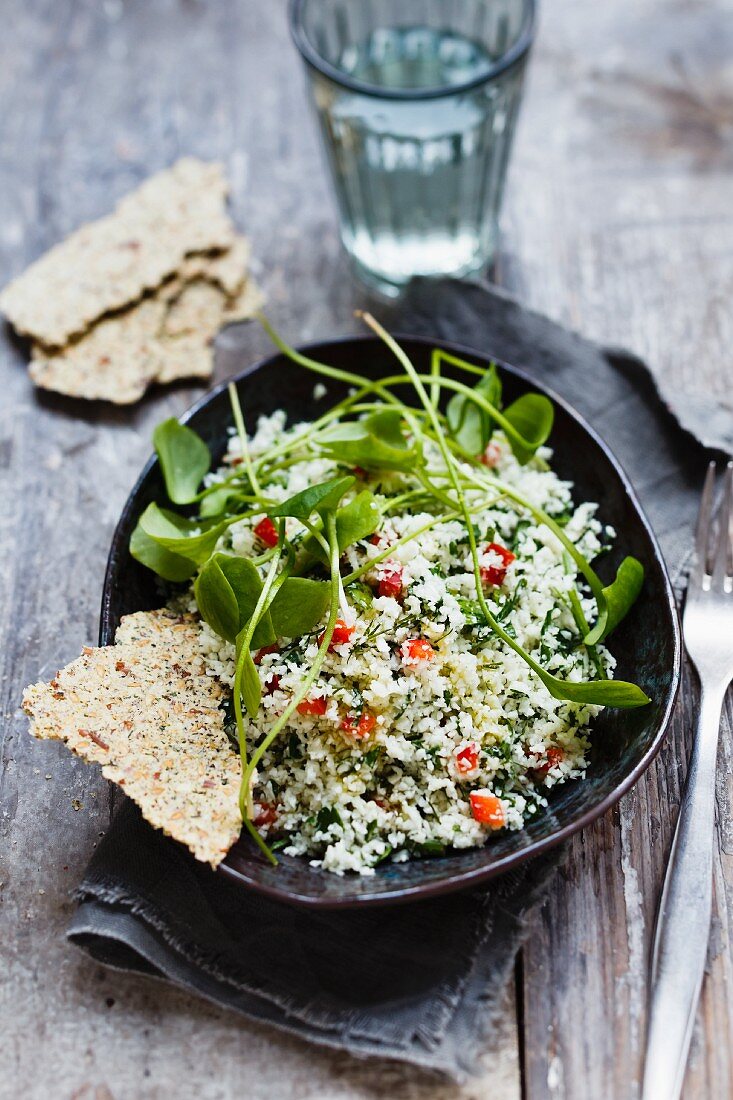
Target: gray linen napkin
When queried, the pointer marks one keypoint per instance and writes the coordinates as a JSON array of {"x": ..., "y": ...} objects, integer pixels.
[{"x": 427, "y": 984}]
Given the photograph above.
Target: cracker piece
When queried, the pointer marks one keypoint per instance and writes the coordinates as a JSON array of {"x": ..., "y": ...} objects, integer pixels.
[
  {"x": 164, "y": 338},
  {"x": 109, "y": 263},
  {"x": 154, "y": 341},
  {"x": 244, "y": 305},
  {"x": 146, "y": 710},
  {"x": 189, "y": 356},
  {"x": 115, "y": 361}
]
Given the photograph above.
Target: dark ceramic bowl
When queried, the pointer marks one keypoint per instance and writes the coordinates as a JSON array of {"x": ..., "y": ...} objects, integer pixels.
[{"x": 646, "y": 646}]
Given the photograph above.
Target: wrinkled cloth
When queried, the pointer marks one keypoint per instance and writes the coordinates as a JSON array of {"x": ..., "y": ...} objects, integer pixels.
[{"x": 422, "y": 982}]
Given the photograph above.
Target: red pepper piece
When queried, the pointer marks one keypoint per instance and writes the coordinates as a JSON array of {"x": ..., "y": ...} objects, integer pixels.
[
  {"x": 554, "y": 756},
  {"x": 265, "y": 813},
  {"x": 487, "y": 809},
  {"x": 314, "y": 706},
  {"x": 417, "y": 649},
  {"x": 272, "y": 685},
  {"x": 267, "y": 531},
  {"x": 341, "y": 635},
  {"x": 495, "y": 574},
  {"x": 467, "y": 758},
  {"x": 492, "y": 455},
  {"x": 359, "y": 727},
  {"x": 263, "y": 652},
  {"x": 390, "y": 583}
]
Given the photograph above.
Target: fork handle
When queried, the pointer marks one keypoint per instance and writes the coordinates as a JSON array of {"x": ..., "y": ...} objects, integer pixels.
[{"x": 683, "y": 921}]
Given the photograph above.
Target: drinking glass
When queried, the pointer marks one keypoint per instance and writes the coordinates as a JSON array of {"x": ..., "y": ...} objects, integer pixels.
[{"x": 417, "y": 102}]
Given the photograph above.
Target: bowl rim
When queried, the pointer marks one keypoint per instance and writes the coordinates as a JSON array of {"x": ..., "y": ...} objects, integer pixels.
[{"x": 457, "y": 880}]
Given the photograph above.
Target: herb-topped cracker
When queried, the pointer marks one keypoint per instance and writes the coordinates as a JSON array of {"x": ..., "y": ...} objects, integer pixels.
[{"x": 146, "y": 710}]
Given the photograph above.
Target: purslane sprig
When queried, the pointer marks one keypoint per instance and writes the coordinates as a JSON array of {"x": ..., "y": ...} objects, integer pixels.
[{"x": 615, "y": 693}]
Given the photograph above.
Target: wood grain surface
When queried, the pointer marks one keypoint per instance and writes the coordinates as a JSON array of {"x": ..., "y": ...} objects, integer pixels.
[{"x": 618, "y": 221}]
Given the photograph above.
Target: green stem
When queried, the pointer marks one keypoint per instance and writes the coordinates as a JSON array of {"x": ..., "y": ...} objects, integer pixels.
[
  {"x": 242, "y": 433},
  {"x": 317, "y": 535},
  {"x": 347, "y": 377},
  {"x": 435, "y": 372},
  {"x": 582, "y": 624},
  {"x": 315, "y": 668},
  {"x": 425, "y": 481},
  {"x": 239, "y": 667}
]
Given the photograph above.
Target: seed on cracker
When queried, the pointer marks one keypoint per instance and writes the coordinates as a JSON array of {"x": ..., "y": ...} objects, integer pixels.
[
  {"x": 110, "y": 263},
  {"x": 147, "y": 711}
]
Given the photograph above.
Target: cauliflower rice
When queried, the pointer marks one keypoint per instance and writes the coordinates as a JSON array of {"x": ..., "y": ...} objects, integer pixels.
[{"x": 396, "y": 738}]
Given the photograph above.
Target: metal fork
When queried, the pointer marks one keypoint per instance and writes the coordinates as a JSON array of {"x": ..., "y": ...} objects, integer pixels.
[{"x": 683, "y": 923}]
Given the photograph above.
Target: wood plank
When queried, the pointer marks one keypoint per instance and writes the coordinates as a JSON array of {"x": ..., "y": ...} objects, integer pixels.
[{"x": 619, "y": 225}]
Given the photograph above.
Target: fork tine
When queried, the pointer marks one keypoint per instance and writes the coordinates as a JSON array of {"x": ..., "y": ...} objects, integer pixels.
[
  {"x": 723, "y": 547},
  {"x": 702, "y": 531}
]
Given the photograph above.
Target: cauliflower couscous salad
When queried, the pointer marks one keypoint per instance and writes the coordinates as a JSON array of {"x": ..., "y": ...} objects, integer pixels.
[{"x": 393, "y": 612}]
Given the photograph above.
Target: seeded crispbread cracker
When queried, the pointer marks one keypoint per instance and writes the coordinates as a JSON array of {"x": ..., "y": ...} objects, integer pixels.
[
  {"x": 165, "y": 337},
  {"x": 115, "y": 361},
  {"x": 146, "y": 710},
  {"x": 110, "y": 263},
  {"x": 190, "y": 356}
]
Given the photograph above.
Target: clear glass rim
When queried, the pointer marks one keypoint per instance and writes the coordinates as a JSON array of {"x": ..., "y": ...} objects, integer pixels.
[{"x": 515, "y": 53}]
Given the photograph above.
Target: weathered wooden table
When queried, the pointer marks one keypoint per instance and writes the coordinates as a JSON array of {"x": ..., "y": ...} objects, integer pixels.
[{"x": 618, "y": 221}]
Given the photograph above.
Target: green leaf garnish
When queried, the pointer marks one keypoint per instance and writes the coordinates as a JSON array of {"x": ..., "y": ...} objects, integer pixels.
[
  {"x": 220, "y": 501},
  {"x": 356, "y": 520},
  {"x": 471, "y": 425},
  {"x": 299, "y": 606},
  {"x": 227, "y": 591},
  {"x": 192, "y": 539},
  {"x": 249, "y": 682},
  {"x": 169, "y": 566},
  {"x": 316, "y": 498},
  {"x": 184, "y": 459},
  {"x": 527, "y": 422},
  {"x": 618, "y": 598},
  {"x": 531, "y": 416},
  {"x": 246, "y": 584},
  {"x": 377, "y": 442},
  {"x": 216, "y": 600}
]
